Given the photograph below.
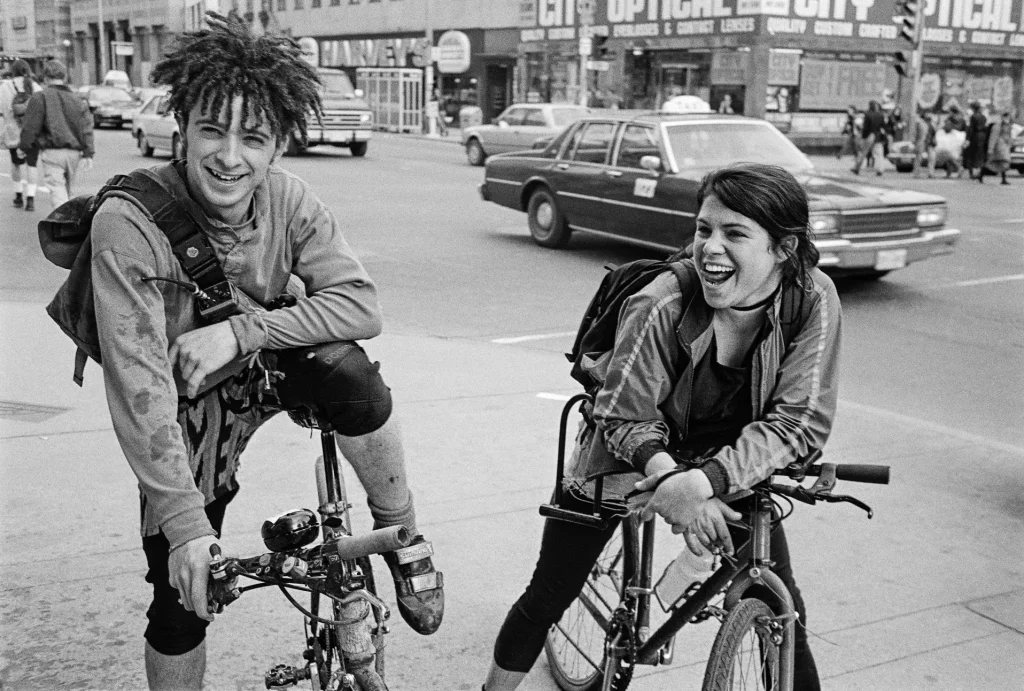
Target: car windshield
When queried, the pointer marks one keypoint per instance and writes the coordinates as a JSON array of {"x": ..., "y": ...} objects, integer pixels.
[
  {"x": 567, "y": 116},
  {"x": 110, "y": 94},
  {"x": 705, "y": 146},
  {"x": 337, "y": 84}
]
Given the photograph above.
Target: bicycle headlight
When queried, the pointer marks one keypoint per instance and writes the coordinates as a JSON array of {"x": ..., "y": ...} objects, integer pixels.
[
  {"x": 824, "y": 224},
  {"x": 290, "y": 530},
  {"x": 931, "y": 216}
]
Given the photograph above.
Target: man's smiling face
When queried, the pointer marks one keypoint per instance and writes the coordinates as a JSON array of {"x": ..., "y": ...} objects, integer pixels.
[{"x": 227, "y": 159}]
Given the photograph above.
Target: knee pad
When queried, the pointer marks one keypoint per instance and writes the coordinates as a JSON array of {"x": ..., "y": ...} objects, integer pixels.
[{"x": 337, "y": 385}]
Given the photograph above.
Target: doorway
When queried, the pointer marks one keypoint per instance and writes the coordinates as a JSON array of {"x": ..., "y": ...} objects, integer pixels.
[{"x": 498, "y": 93}]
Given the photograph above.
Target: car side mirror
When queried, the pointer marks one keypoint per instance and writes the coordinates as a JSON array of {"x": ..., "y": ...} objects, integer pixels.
[
  {"x": 502, "y": 124},
  {"x": 651, "y": 163},
  {"x": 359, "y": 93}
]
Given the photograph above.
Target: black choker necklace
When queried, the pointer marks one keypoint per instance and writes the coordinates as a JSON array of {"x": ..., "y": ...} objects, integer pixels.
[{"x": 756, "y": 305}]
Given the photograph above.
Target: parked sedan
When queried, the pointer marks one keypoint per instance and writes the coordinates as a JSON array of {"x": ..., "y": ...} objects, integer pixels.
[
  {"x": 635, "y": 177},
  {"x": 517, "y": 128},
  {"x": 156, "y": 128},
  {"x": 111, "y": 105}
]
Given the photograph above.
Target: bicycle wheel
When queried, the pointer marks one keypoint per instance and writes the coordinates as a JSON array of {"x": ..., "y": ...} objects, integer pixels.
[
  {"x": 744, "y": 656},
  {"x": 575, "y": 645}
]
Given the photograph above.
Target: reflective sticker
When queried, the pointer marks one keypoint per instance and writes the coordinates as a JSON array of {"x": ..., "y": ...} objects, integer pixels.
[
  {"x": 414, "y": 552},
  {"x": 427, "y": 581},
  {"x": 645, "y": 187}
]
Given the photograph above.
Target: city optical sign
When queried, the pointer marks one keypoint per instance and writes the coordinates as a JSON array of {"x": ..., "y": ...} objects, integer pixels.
[{"x": 972, "y": 22}]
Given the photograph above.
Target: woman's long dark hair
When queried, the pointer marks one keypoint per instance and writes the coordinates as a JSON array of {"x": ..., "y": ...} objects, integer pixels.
[
  {"x": 771, "y": 197},
  {"x": 20, "y": 68}
]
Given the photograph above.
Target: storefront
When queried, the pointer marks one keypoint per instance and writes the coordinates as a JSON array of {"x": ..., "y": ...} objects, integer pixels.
[
  {"x": 798, "y": 63},
  {"x": 486, "y": 81}
]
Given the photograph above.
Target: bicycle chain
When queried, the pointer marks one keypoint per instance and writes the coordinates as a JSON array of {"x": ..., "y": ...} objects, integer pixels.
[{"x": 621, "y": 626}]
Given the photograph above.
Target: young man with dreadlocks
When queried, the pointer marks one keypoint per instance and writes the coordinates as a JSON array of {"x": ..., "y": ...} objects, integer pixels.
[{"x": 181, "y": 395}]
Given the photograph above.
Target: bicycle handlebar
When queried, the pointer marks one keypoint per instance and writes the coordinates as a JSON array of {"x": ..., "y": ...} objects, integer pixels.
[{"x": 855, "y": 472}]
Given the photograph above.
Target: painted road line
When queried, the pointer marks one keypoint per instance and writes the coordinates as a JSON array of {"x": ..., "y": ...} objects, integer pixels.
[
  {"x": 553, "y": 397},
  {"x": 534, "y": 337},
  {"x": 977, "y": 282},
  {"x": 1013, "y": 220},
  {"x": 936, "y": 427}
]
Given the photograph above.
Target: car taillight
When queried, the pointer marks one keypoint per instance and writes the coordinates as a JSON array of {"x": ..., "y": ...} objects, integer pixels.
[
  {"x": 931, "y": 216},
  {"x": 824, "y": 224}
]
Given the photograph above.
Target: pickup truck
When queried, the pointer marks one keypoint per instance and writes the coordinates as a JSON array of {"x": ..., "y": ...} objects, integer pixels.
[{"x": 347, "y": 120}]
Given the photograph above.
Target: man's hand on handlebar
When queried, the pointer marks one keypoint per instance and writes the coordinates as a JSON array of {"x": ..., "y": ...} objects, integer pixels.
[{"x": 189, "y": 569}]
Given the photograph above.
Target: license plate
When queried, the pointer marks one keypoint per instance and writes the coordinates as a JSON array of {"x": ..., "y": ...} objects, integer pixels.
[{"x": 887, "y": 260}]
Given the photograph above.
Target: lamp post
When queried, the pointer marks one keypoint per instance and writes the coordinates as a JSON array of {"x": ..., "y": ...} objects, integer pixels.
[
  {"x": 103, "y": 40},
  {"x": 428, "y": 78}
]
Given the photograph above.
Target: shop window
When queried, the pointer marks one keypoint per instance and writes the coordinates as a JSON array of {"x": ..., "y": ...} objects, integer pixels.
[
  {"x": 299, "y": 4},
  {"x": 593, "y": 142},
  {"x": 314, "y": 4},
  {"x": 637, "y": 142},
  {"x": 534, "y": 117},
  {"x": 282, "y": 5}
]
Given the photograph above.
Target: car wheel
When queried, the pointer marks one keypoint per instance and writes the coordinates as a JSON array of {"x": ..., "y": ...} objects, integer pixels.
[
  {"x": 475, "y": 153},
  {"x": 177, "y": 148},
  {"x": 547, "y": 225},
  {"x": 144, "y": 146},
  {"x": 358, "y": 149}
]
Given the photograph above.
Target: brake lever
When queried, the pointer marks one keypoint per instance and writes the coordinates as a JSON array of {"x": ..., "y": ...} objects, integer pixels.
[{"x": 833, "y": 498}]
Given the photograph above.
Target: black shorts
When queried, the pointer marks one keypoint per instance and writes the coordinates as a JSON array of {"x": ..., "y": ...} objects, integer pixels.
[
  {"x": 31, "y": 157},
  {"x": 173, "y": 630}
]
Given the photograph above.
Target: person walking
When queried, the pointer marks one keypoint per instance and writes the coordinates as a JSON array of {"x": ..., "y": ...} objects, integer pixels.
[
  {"x": 977, "y": 146},
  {"x": 14, "y": 97},
  {"x": 58, "y": 123},
  {"x": 924, "y": 143},
  {"x": 873, "y": 132},
  {"x": 999, "y": 141},
  {"x": 850, "y": 132}
]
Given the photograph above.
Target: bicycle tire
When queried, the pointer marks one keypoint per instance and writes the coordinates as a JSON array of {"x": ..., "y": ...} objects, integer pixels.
[
  {"x": 574, "y": 647},
  {"x": 743, "y": 656}
]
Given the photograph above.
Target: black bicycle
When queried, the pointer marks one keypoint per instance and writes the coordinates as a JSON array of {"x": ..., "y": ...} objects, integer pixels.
[
  {"x": 344, "y": 622},
  {"x": 605, "y": 633}
]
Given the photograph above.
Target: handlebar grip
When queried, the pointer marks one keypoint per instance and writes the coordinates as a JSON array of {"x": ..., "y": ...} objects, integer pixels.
[
  {"x": 373, "y": 542},
  {"x": 854, "y": 472}
]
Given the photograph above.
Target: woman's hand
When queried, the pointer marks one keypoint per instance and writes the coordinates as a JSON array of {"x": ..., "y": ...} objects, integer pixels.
[{"x": 685, "y": 502}]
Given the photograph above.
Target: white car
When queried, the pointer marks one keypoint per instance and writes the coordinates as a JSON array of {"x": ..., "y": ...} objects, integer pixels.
[
  {"x": 517, "y": 128},
  {"x": 156, "y": 128}
]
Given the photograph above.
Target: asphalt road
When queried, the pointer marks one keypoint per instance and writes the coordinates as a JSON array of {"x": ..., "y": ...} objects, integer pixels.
[{"x": 928, "y": 595}]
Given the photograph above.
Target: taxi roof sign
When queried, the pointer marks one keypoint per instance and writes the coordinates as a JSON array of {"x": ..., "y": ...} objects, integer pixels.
[{"x": 686, "y": 104}]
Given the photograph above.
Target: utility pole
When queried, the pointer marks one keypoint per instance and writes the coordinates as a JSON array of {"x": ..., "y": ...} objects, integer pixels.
[
  {"x": 585, "y": 11},
  {"x": 103, "y": 41},
  {"x": 429, "y": 105},
  {"x": 912, "y": 19}
]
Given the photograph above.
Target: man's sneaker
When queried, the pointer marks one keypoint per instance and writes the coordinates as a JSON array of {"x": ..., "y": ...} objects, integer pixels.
[
  {"x": 419, "y": 588},
  {"x": 18, "y": 200},
  {"x": 30, "y": 203}
]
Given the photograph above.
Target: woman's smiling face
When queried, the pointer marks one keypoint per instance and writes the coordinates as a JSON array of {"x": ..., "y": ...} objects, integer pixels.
[
  {"x": 737, "y": 261},
  {"x": 228, "y": 159}
]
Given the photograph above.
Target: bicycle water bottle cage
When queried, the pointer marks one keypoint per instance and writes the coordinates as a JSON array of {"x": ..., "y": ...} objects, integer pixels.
[{"x": 291, "y": 530}]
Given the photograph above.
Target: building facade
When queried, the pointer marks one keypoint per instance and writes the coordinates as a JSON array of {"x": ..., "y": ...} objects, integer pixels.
[
  {"x": 35, "y": 30},
  {"x": 798, "y": 63},
  {"x": 393, "y": 33}
]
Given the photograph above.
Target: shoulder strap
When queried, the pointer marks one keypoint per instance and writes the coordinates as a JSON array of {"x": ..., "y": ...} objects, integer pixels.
[{"x": 178, "y": 219}]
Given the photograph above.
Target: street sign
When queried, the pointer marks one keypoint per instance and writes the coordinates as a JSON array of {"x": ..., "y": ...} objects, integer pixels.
[
  {"x": 586, "y": 45},
  {"x": 123, "y": 47},
  {"x": 598, "y": 65}
]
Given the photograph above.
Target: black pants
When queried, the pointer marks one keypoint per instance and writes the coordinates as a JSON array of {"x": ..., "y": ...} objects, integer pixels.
[{"x": 567, "y": 553}]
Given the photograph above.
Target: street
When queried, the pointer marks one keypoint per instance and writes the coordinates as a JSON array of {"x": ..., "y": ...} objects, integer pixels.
[{"x": 929, "y": 594}]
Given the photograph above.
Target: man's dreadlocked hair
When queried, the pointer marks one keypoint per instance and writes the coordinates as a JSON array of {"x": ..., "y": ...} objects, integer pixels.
[{"x": 211, "y": 66}]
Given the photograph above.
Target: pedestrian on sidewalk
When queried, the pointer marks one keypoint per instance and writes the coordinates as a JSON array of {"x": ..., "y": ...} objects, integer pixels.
[
  {"x": 977, "y": 141},
  {"x": 14, "y": 97},
  {"x": 949, "y": 146},
  {"x": 924, "y": 143},
  {"x": 1000, "y": 140},
  {"x": 186, "y": 396},
  {"x": 873, "y": 132},
  {"x": 850, "y": 131},
  {"x": 58, "y": 123}
]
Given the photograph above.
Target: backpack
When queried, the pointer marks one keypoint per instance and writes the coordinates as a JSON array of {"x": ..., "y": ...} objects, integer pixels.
[
  {"x": 64, "y": 239},
  {"x": 596, "y": 334},
  {"x": 19, "y": 104}
]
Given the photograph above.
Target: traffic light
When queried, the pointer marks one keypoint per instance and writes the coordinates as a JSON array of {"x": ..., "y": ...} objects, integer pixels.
[
  {"x": 600, "y": 51},
  {"x": 903, "y": 62},
  {"x": 908, "y": 12}
]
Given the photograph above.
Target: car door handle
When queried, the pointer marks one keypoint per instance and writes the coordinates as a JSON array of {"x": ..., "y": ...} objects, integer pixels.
[
  {"x": 613, "y": 173},
  {"x": 563, "y": 166}
]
